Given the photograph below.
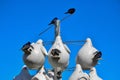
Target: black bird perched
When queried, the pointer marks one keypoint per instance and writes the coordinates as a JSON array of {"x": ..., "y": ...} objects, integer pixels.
[
  {"x": 70, "y": 11},
  {"x": 53, "y": 21}
]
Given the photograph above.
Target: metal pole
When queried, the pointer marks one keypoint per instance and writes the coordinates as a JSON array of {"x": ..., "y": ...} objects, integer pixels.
[
  {"x": 55, "y": 74},
  {"x": 57, "y": 28}
]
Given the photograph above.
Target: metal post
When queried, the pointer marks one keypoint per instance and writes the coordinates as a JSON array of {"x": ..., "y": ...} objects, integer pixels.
[
  {"x": 55, "y": 74},
  {"x": 57, "y": 28}
]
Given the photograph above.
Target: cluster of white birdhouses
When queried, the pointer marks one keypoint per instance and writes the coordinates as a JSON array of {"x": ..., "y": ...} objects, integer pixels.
[{"x": 58, "y": 56}]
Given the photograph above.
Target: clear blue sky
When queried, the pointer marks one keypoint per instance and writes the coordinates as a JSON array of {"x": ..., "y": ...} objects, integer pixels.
[{"x": 22, "y": 20}]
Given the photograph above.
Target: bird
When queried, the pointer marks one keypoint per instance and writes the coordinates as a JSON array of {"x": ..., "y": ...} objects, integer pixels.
[
  {"x": 34, "y": 56},
  {"x": 53, "y": 21},
  {"x": 70, "y": 11},
  {"x": 88, "y": 55},
  {"x": 93, "y": 74},
  {"x": 78, "y": 74},
  {"x": 24, "y": 74}
]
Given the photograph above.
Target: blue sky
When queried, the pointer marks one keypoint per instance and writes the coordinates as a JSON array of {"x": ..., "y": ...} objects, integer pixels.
[{"x": 22, "y": 20}]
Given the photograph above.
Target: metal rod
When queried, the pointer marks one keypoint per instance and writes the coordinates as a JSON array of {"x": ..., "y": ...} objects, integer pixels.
[
  {"x": 45, "y": 30},
  {"x": 55, "y": 74}
]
